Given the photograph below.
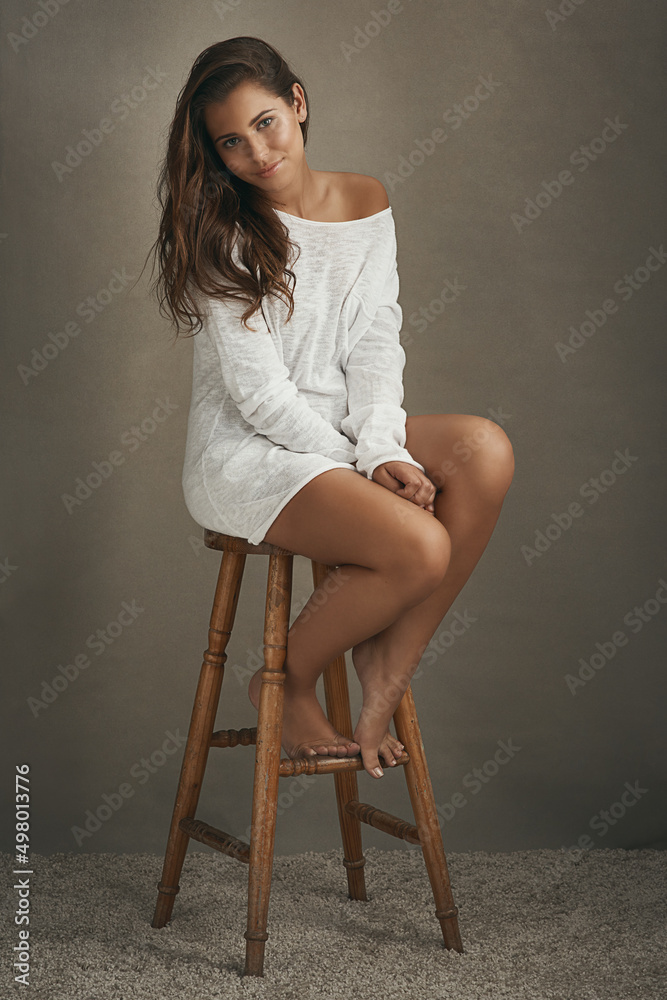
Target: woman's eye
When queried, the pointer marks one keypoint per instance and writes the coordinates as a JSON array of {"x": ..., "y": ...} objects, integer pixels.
[{"x": 226, "y": 144}]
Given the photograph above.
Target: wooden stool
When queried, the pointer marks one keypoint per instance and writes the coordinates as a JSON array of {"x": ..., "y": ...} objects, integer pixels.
[{"x": 269, "y": 766}]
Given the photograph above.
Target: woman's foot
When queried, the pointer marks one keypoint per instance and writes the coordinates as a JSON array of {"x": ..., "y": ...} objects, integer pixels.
[
  {"x": 306, "y": 729},
  {"x": 382, "y": 692}
]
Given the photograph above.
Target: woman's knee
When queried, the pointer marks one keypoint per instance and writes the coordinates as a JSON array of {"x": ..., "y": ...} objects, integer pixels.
[
  {"x": 341, "y": 517},
  {"x": 419, "y": 554},
  {"x": 489, "y": 451}
]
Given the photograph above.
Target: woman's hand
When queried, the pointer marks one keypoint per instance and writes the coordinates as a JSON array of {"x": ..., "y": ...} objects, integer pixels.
[{"x": 406, "y": 480}]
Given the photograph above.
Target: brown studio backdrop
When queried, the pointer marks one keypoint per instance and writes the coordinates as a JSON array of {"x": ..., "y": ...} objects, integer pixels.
[{"x": 486, "y": 300}]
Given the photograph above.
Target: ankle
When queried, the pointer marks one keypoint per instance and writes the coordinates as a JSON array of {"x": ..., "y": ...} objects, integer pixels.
[{"x": 296, "y": 687}]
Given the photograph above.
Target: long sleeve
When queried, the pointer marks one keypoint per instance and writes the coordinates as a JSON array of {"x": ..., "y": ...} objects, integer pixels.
[
  {"x": 260, "y": 385},
  {"x": 374, "y": 377}
]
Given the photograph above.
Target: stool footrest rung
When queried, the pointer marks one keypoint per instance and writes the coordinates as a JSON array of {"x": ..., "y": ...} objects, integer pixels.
[
  {"x": 234, "y": 737},
  {"x": 383, "y": 821},
  {"x": 321, "y": 764},
  {"x": 217, "y": 839}
]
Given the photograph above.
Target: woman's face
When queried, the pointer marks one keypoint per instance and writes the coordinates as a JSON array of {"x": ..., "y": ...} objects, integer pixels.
[{"x": 252, "y": 129}]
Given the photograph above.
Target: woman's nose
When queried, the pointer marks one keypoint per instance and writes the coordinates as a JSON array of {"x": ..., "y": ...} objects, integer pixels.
[{"x": 259, "y": 152}]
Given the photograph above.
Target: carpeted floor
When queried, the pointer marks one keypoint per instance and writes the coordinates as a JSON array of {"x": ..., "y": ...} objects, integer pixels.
[{"x": 536, "y": 925}]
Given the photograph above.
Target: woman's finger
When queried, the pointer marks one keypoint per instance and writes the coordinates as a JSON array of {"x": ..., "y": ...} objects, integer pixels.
[
  {"x": 419, "y": 490},
  {"x": 408, "y": 482}
]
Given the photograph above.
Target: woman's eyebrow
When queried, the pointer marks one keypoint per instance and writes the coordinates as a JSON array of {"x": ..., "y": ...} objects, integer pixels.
[{"x": 250, "y": 124}]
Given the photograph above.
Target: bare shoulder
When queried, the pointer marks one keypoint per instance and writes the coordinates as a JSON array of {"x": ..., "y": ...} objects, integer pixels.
[
  {"x": 350, "y": 196},
  {"x": 366, "y": 194}
]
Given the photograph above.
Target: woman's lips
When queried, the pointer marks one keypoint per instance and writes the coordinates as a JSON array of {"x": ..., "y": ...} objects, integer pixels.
[{"x": 270, "y": 171}]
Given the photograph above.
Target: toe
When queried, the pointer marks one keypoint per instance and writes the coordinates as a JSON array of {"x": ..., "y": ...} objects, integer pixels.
[
  {"x": 349, "y": 748},
  {"x": 346, "y": 747},
  {"x": 387, "y": 752},
  {"x": 314, "y": 749},
  {"x": 372, "y": 764},
  {"x": 301, "y": 750}
]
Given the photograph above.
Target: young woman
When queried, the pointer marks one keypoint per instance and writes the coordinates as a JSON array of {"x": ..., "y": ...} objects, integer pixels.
[{"x": 296, "y": 434}]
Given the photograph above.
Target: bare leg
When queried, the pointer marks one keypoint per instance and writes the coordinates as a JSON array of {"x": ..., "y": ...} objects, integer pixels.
[
  {"x": 398, "y": 573},
  {"x": 343, "y": 519},
  {"x": 468, "y": 507}
]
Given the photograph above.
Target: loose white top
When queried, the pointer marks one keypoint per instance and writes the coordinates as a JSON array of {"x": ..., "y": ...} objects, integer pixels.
[{"x": 272, "y": 409}]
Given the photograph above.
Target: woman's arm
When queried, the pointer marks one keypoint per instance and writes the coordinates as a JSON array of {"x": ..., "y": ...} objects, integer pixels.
[
  {"x": 374, "y": 377},
  {"x": 259, "y": 383}
]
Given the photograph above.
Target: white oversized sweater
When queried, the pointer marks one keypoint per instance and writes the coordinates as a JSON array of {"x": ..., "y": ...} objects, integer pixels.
[{"x": 270, "y": 410}]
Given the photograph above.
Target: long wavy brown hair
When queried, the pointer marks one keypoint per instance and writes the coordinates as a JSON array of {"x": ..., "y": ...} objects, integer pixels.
[{"x": 205, "y": 207}]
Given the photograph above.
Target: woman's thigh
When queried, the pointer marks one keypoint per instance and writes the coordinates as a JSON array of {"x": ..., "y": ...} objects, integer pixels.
[
  {"x": 462, "y": 450},
  {"x": 342, "y": 517}
]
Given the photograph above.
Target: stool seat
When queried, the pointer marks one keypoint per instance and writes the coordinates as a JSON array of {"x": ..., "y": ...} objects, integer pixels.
[
  {"x": 266, "y": 737},
  {"x": 231, "y": 543}
]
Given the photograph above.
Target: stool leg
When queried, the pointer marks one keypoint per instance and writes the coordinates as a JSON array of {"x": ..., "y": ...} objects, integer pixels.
[
  {"x": 426, "y": 819},
  {"x": 337, "y": 696},
  {"x": 267, "y": 759},
  {"x": 201, "y": 729}
]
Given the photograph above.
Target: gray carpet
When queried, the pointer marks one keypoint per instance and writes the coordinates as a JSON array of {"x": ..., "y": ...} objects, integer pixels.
[{"x": 539, "y": 925}]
